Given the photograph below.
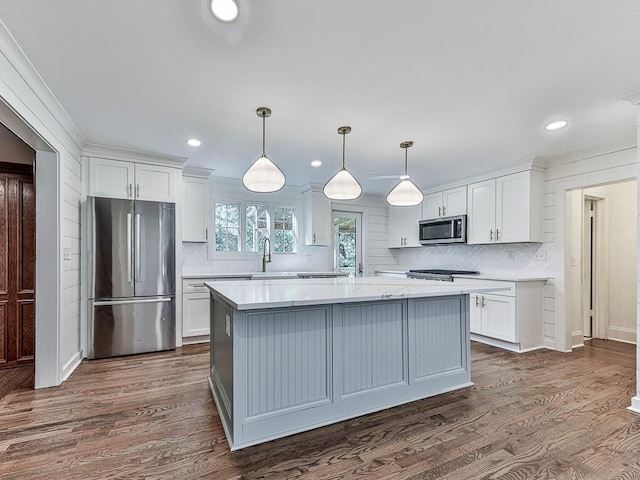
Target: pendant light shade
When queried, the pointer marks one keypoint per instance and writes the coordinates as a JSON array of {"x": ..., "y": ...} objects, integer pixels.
[
  {"x": 405, "y": 193},
  {"x": 263, "y": 176},
  {"x": 342, "y": 186}
]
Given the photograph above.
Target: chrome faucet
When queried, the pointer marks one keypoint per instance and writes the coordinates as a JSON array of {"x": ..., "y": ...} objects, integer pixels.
[{"x": 266, "y": 254}]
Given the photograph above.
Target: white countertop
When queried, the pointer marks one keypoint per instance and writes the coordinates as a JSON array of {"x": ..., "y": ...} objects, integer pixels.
[
  {"x": 258, "y": 294},
  {"x": 254, "y": 275}
]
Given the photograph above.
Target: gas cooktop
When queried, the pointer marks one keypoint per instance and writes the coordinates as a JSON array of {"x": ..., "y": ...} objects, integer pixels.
[
  {"x": 438, "y": 274},
  {"x": 436, "y": 271}
]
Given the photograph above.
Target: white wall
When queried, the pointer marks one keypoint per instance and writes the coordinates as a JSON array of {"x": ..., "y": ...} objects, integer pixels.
[
  {"x": 37, "y": 118},
  {"x": 200, "y": 258}
]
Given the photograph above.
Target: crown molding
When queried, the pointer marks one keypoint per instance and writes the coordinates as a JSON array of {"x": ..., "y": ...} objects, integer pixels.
[{"x": 117, "y": 153}]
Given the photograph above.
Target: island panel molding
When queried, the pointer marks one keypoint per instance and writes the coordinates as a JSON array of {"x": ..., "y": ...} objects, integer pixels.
[{"x": 278, "y": 369}]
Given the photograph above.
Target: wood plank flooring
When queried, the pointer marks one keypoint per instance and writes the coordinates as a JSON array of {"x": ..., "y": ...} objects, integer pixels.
[{"x": 539, "y": 415}]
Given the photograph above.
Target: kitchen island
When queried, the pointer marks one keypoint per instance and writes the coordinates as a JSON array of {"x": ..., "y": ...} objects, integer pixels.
[{"x": 289, "y": 355}]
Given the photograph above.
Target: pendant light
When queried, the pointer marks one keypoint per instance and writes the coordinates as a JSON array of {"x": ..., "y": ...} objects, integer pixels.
[
  {"x": 342, "y": 186},
  {"x": 263, "y": 176},
  {"x": 405, "y": 193}
]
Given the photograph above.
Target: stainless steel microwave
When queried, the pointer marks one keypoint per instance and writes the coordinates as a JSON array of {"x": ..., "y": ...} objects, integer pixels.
[{"x": 443, "y": 230}]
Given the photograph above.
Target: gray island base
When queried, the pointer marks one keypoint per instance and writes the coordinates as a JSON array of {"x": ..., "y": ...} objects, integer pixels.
[{"x": 292, "y": 355}]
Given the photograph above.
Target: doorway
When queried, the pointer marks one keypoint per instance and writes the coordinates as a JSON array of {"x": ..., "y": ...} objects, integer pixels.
[
  {"x": 601, "y": 263},
  {"x": 347, "y": 242}
]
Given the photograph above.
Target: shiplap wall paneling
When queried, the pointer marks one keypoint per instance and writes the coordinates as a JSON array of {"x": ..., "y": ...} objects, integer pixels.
[
  {"x": 435, "y": 329},
  {"x": 372, "y": 338},
  {"x": 294, "y": 347}
]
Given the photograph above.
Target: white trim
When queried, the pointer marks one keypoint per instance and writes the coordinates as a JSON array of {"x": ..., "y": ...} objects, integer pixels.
[
  {"x": 526, "y": 165},
  {"x": 70, "y": 366},
  {"x": 635, "y": 405},
  {"x": 115, "y": 153},
  {"x": 512, "y": 347},
  {"x": 48, "y": 271},
  {"x": 624, "y": 335},
  {"x": 577, "y": 339}
]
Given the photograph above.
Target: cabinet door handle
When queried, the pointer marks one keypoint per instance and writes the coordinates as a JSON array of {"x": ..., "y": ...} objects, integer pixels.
[
  {"x": 444, "y": 210},
  {"x": 206, "y": 234},
  {"x": 477, "y": 301},
  {"x": 138, "y": 190},
  {"x": 197, "y": 285},
  {"x": 314, "y": 238},
  {"x": 484, "y": 303},
  {"x": 491, "y": 235},
  {"x": 130, "y": 190},
  {"x": 439, "y": 211},
  {"x": 497, "y": 234}
]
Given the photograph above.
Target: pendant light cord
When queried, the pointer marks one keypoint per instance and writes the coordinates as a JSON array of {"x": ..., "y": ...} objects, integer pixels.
[
  {"x": 405, "y": 161},
  {"x": 263, "y": 135},
  {"x": 343, "y": 138}
]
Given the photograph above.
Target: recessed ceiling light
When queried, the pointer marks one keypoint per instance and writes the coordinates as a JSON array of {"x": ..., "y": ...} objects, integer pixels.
[
  {"x": 557, "y": 125},
  {"x": 316, "y": 163},
  {"x": 224, "y": 10},
  {"x": 194, "y": 142}
]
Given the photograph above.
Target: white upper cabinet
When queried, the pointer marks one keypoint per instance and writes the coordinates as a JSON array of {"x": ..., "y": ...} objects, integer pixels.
[
  {"x": 403, "y": 226},
  {"x": 317, "y": 218},
  {"x": 195, "y": 209},
  {"x": 481, "y": 211},
  {"x": 506, "y": 209},
  {"x": 447, "y": 203},
  {"x": 130, "y": 180},
  {"x": 111, "y": 178},
  {"x": 156, "y": 183}
]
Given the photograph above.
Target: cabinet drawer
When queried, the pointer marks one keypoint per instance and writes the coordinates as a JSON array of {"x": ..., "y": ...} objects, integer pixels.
[{"x": 195, "y": 285}]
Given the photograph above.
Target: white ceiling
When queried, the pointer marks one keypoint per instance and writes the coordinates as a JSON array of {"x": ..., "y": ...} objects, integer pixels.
[{"x": 471, "y": 82}]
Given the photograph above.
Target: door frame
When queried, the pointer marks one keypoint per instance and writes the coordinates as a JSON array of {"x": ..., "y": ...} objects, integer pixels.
[
  {"x": 49, "y": 279},
  {"x": 359, "y": 237},
  {"x": 600, "y": 258}
]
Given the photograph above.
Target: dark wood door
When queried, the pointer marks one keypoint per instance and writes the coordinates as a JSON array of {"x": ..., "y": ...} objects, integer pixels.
[{"x": 17, "y": 264}]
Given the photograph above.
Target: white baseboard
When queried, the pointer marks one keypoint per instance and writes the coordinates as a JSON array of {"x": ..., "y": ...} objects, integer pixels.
[
  {"x": 621, "y": 334},
  {"x": 635, "y": 405},
  {"x": 194, "y": 340},
  {"x": 577, "y": 339},
  {"x": 512, "y": 347},
  {"x": 71, "y": 365}
]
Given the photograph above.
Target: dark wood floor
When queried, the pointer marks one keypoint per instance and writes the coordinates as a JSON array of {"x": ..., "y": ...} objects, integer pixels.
[
  {"x": 537, "y": 415},
  {"x": 14, "y": 379}
]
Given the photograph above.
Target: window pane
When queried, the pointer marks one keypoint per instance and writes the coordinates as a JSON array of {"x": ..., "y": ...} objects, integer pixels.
[
  {"x": 278, "y": 221},
  {"x": 227, "y": 227},
  {"x": 263, "y": 218}
]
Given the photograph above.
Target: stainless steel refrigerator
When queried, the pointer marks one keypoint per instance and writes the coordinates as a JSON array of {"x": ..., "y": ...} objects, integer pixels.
[{"x": 131, "y": 268}]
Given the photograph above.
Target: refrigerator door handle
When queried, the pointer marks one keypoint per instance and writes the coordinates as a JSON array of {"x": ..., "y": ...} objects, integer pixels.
[
  {"x": 137, "y": 254},
  {"x": 129, "y": 250},
  {"x": 99, "y": 303}
]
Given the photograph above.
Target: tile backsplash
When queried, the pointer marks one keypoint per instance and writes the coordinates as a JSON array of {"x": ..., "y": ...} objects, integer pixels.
[
  {"x": 308, "y": 259},
  {"x": 521, "y": 259}
]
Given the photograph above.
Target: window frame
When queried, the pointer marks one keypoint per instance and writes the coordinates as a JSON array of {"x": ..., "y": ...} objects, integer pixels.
[
  {"x": 243, "y": 253},
  {"x": 294, "y": 224}
]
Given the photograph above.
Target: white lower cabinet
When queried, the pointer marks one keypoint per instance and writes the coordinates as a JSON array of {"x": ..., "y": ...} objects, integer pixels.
[
  {"x": 512, "y": 319},
  {"x": 195, "y": 308},
  {"x": 493, "y": 316}
]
